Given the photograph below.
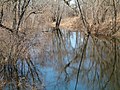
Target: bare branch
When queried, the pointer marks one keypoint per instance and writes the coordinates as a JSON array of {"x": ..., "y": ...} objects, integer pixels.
[{"x": 4, "y": 27}]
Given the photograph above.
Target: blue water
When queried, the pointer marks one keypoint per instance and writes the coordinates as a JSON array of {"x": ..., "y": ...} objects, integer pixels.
[
  {"x": 96, "y": 69},
  {"x": 53, "y": 83}
]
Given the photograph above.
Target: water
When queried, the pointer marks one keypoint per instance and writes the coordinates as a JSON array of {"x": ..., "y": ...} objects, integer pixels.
[{"x": 57, "y": 65}]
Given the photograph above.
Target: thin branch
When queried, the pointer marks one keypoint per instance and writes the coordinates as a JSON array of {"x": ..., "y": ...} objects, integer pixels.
[
  {"x": 22, "y": 14},
  {"x": 115, "y": 16},
  {"x": 82, "y": 17},
  {"x": 1, "y": 17},
  {"x": 4, "y": 27}
]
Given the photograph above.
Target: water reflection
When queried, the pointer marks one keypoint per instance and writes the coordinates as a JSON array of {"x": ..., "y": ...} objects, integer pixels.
[
  {"x": 24, "y": 75},
  {"x": 100, "y": 63},
  {"x": 71, "y": 59}
]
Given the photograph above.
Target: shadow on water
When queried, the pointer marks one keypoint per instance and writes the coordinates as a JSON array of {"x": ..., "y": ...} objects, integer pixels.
[{"x": 73, "y": 62}]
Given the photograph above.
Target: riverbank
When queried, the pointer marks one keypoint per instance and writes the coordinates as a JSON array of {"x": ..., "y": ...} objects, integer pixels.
[{"x": 104, "y": 28}]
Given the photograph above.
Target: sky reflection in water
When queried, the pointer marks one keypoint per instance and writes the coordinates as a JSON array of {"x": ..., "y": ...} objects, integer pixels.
[{"x": 97, "y": 70}]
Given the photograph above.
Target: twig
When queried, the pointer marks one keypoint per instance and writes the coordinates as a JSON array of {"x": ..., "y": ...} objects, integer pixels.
[{"x": 9, "y": 29}]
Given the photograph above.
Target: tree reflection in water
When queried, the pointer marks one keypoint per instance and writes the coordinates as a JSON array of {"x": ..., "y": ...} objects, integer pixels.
[
  {"x": 70, "y": 57},
  {"x": 22, "y": 76},
  {"x": 99, "y": 68}
]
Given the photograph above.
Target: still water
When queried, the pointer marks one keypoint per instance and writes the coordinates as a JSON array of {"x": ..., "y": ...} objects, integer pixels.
[{"x": 70, "y": 61}]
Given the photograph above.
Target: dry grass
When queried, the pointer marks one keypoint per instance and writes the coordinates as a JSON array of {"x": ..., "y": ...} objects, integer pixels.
[
  {"x": 71, "y": 23},
  {"x": 74, "y": 24}
]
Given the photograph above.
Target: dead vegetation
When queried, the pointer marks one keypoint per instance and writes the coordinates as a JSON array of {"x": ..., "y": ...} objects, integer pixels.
[
  {"x": 24, "y": 24},
  {"x": 98, "y": 17},
  {"x": 74, "y": 24}
]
